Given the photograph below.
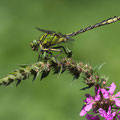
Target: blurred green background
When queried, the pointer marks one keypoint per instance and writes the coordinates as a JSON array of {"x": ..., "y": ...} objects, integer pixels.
[{"x": 53, "y": 98}]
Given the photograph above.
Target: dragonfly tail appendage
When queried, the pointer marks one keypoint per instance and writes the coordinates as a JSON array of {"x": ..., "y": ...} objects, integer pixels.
[{"x": 105, "y": 22}]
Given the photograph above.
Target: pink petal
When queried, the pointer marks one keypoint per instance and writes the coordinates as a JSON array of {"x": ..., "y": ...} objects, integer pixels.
[
  {"x": 97, "y": 98},
  {"x": 102, "y": 112},
  {"x": 117, "y": 94},
  {"x": 114, "y": 113},
  {"x": 112, "y": 88},
  {"x": 109, "y": 110},
  {"x": 117, "y": 102},
  {"x": 88, "y": 107},
  {"x": 105, "y": 93},
  {"x": 83, "y": 112},
  {"x": 89, "y": 98}
]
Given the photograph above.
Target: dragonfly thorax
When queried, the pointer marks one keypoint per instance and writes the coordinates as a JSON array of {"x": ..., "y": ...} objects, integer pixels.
[{"x": 48, "y": 40}]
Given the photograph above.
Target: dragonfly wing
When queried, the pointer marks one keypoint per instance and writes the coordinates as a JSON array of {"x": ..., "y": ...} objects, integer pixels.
[
  {"x": 67, "y": 37},
  {"x": 60, "y": 34},
  {"x": 46, "y": 31}
]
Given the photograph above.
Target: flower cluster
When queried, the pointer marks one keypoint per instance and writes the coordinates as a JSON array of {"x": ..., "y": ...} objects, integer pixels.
[{"x": 104, "y": 104}]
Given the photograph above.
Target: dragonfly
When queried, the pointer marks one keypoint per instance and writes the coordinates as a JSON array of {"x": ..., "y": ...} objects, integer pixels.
[{"x": 50, "y": 40}]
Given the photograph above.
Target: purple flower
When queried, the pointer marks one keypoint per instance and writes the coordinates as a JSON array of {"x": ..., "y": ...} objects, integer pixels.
[
  {"x": 118, "y": 115},
  {"x": 109, "y": 94},
  {"x": 107, "y": 115},
  {"x": 91, "y": 117},
  {"x": 103, "y": 102},
  {"x": 90, "y": 101}
]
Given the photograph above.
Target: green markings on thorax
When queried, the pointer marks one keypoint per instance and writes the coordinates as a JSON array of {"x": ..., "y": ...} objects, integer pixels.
[{"x": 48, "y": 40}]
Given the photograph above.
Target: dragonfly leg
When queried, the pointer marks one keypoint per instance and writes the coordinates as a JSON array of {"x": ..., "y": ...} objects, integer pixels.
[
  {"x": 69, "y": 54},
  {"x": 59, "y": 49},
  {"x": 56, "y": 50},
  {"x": 41, "y": 52},
  {"x": 49, "y": 53}
]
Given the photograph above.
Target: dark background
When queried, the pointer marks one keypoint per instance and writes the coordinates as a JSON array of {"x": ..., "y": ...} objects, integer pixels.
[{"x": 54, "y": 98}]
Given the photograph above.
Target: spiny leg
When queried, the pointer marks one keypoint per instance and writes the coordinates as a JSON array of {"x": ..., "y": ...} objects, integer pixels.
[
  {"x": 55, "y": 49},
  {"x": 69, "y": 54},
  {"x": 49, "y": 53},
  {"x": 41, "y": 52},
  {"x": 105, "y": 22},
  {"x": 60, "y": 52},
  {"x": 48, "y": 50}
]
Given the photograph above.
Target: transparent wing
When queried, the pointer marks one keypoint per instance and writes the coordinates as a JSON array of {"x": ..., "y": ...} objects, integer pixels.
[
  {"x": 67, "y": 37},
  {"x": 46, "y": 31}
]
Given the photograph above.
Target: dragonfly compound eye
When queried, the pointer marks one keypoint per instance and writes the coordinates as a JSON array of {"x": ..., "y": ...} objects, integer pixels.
[{"x": 34, "y": 45}]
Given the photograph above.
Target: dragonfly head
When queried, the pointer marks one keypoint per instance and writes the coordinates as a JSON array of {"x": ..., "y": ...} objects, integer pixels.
[{"x": 34, "y": 45}]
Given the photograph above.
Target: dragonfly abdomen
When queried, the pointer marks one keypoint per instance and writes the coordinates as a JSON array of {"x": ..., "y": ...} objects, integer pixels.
[{"x": 105, "y": 22}]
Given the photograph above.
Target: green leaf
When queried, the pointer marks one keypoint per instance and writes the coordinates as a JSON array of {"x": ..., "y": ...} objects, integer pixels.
[
  {"x": 98, "y": 67},
  {"x": 18, "y": 82},
  {"x": 44, "y": 55},
  {"x": 44, "y": 74},
  {"x": 60, "y": 71},
  {"x": 54, "y": 59},
  {"x": 23, "y": 65},
  {"x": 35, "y": 75}
]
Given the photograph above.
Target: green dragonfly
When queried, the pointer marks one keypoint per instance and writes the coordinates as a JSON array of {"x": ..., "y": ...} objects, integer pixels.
[{"x": 48, "y": 41}]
